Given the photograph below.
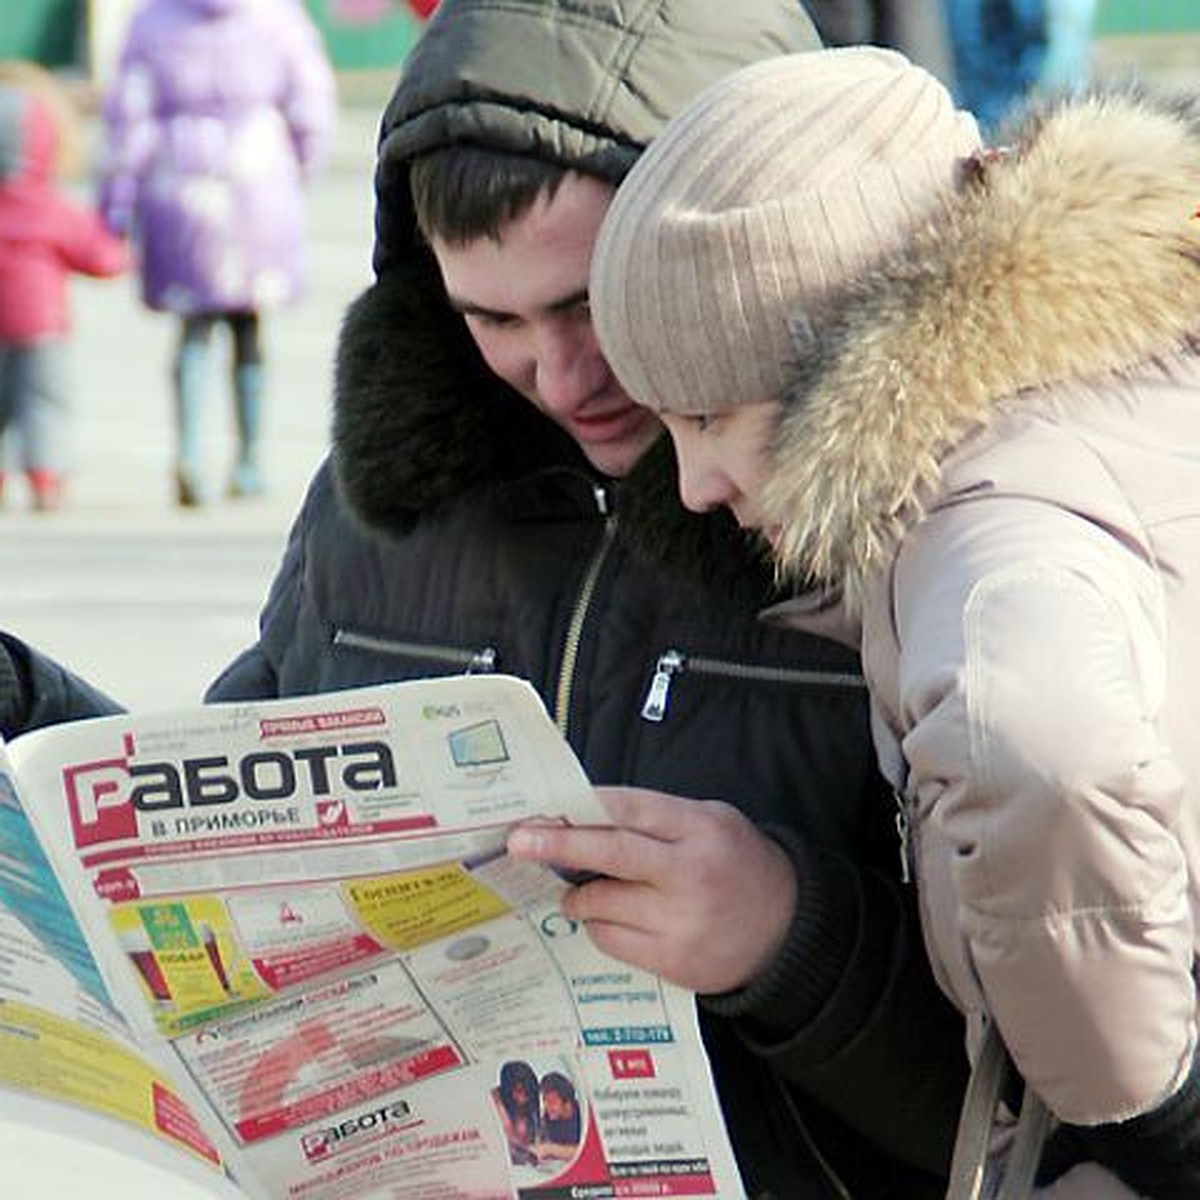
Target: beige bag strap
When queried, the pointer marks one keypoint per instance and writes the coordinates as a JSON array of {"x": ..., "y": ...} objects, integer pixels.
[{"x": 984, "y": 1091}]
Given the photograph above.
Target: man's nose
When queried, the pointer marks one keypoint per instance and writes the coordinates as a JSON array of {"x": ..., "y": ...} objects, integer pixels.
[{"x": 570, "y": 368}]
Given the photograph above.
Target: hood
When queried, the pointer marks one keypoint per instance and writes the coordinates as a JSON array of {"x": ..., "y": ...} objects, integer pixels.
[
  {"x": 418, "y": 418},
  {"x": 28, "y": 137},
  {"x": 1071, "y": 255}
]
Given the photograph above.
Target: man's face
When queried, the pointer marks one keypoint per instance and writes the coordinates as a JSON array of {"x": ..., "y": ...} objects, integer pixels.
[
  {"x": 524, "y": 299},
  {"x": 723, "y": 460},
  {"x": 556, "y": 1107}
]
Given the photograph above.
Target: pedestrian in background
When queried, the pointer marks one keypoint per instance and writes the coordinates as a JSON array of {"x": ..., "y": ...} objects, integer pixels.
[
  {"x": 219, "y": 112},
  {"x": 999, "y": 48},
  {"x": 44, "y": 237},
  {"x": 1070, "y": 30},
  {"x": 1006, "y": 50},
  {"x": 917, "y": 28}
]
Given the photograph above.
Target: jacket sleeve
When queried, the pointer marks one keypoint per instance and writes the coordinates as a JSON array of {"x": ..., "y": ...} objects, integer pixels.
[
  {"x": 35, "y": 691},
  {"x": 849, "y": 1012},
  {"x": 1156, "y": 1154},
  {"x": 87, "y": 245},
  {"x": 255, "y": 673},
  {"x": 1031, "y": 694}
]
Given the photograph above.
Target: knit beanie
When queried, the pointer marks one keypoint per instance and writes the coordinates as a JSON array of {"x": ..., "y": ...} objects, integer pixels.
[{"x": 774, "y": 187}]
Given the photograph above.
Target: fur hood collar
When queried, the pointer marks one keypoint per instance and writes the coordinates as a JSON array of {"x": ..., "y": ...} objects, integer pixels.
[
  {"x": 421, "y": 421},
  {"x": 1072, "y": 255}
]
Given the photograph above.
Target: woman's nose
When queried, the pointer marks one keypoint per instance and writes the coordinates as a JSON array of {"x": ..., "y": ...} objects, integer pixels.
[{"x": 702, "y": 487}]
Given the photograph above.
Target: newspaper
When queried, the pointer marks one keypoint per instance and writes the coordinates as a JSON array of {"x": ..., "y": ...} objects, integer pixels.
[{"x": 280, "y": 946}]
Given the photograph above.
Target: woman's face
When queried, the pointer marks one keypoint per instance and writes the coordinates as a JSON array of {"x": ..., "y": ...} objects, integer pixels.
[{"x": 722, "y": 460}]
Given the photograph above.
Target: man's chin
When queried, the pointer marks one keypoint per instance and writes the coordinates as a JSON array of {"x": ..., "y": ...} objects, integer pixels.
[{"x": 616, "y": 459}]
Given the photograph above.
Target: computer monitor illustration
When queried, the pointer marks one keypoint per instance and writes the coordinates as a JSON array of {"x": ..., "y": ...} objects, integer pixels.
[{"x": 478, "y": 745}]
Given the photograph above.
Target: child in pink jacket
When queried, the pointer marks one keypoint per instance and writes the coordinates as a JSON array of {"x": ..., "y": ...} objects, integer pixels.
[{"x": 44, "y": 237}]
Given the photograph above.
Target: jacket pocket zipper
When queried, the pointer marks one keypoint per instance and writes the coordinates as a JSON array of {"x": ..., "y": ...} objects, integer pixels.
[
  {"x": 471, "y": 661},
  {"x": 673, "y": 663}
]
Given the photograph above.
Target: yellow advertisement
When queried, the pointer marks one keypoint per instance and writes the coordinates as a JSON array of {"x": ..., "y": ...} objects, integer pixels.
[
  {"x": 187, "y": 959},
  {"x": 404, "y": 911},
  {"x": 62, "y": 1060}
]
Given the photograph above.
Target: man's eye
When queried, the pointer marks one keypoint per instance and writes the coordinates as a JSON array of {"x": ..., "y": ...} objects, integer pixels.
[{"x": 493, "y": 320}]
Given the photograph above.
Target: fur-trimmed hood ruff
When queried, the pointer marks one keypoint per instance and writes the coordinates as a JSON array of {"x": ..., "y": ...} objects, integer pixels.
[{"x": 1072, "y": 255}]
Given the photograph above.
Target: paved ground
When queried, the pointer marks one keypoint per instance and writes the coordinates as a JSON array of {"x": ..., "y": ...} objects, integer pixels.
[{"x": 146, "y": 599}]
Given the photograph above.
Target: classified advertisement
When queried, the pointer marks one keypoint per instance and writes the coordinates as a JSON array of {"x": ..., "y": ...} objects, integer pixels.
[{"x": 332, "y": 983}]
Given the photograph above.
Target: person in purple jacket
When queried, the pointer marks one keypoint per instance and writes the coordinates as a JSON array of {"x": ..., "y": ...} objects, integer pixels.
[{"x": 218, "y": 113}]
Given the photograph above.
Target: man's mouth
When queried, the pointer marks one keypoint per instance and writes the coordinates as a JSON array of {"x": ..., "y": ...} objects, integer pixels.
[{"x": 598, "y": 427}]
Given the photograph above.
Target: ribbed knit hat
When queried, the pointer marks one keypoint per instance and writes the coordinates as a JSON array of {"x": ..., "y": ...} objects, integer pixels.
[{"x": 772, "y": 187}]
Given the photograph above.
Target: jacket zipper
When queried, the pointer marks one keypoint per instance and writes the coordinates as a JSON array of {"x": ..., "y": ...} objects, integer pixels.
[
  {"x": 673, "y": 663},
  {"x": 570, "y": 655},
  {"x": 472, "y": 661},
  {"x": 904, "y": 832}
]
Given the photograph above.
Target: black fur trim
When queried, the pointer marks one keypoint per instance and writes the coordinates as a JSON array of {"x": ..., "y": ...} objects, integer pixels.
[
  {"x": 419, "y": 419},
  {"x": 706, "y": 550}
]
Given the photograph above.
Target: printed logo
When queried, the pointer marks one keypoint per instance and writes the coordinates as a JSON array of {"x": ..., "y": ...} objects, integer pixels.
[
  {"x": 98, "y": 799},
  {"x": 104, "y": 797},
  {"x": 323, "y": 1143}
]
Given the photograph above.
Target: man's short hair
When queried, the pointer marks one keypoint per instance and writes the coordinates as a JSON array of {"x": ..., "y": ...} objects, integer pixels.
[
  {"x": 463, "y": 193},
  {"x": 559, "y": 1084}
]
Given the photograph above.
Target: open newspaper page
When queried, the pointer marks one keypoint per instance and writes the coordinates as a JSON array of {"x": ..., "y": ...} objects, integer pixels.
[
  {"x": 307, "y": 906},
  {"x": 68, "y": 1062}
]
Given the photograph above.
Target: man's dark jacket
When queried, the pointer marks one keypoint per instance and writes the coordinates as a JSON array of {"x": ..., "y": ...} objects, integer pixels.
[{"x": 455, "y": 528}]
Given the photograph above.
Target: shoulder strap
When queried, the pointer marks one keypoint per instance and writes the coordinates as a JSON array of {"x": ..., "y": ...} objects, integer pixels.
[{"x": 992, "y": 1069}]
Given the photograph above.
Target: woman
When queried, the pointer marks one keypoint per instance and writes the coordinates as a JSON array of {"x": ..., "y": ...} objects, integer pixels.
[
  {"x": 219, "y": 113},
  {"x": 958, "y": 393},
  {"x": 517, "y": 1103}
]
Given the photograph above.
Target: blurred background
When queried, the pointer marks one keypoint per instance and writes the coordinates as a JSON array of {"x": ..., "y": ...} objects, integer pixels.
[
  {"x": 83, "y": 36},
  {"x": 150, "y": 600}
]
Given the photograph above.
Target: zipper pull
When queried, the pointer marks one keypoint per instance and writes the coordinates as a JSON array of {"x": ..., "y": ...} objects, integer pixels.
[
  {"x": 668, "y": 666},
  {"x": 483, "y": 662},
  {"x": 904, "y": 830},
  {"x": 603, "y": 505}
]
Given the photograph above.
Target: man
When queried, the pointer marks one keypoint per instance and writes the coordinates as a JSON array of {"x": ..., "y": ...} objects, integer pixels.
[
  {"x": 561, "y": 1124},
  {"x": 468, "y": 520}
]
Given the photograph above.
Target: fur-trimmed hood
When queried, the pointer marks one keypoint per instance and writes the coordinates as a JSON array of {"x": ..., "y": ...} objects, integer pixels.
[
  {"x": 1072, "y": 255},
  {"x": 420, "y": 426},
  {"x": 418, "y": 418}
]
